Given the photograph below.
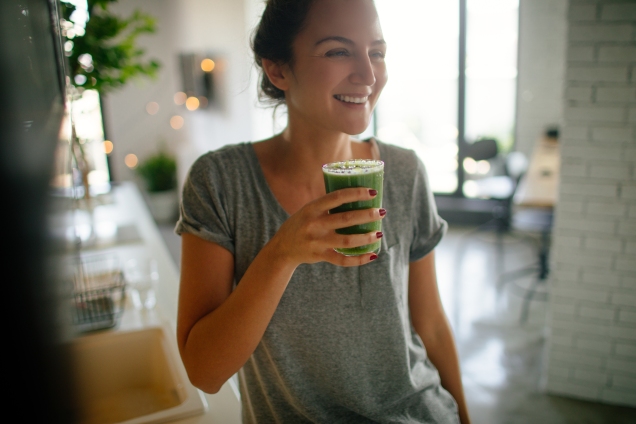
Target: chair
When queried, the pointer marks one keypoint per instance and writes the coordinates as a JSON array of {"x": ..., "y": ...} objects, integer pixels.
[
  {"x": 509, "y": 222},
  {"x": 500, "y": 188},
  {"x": 538, "y": 221},
  {"x": 534, "y": 214}
]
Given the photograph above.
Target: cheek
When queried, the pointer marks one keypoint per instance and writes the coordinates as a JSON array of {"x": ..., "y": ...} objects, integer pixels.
[
  {"x": 318, "y": 81},
  {"x": 381, "y": 77}
]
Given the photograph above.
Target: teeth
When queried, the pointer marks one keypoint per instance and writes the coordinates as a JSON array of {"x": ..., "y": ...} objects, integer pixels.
[{"x": 350, "y": 99}]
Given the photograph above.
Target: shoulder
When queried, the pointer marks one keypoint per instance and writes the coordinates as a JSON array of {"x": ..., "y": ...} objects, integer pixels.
[
  {"x": 228, "y": 159},
  {"x": 399, "y": 160},
  {"x": 225, "y": 156},
  {"x": 224, "y": 170}
]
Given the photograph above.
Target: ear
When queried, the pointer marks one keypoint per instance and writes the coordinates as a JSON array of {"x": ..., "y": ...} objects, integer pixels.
[{"x": 276, "y": 73}]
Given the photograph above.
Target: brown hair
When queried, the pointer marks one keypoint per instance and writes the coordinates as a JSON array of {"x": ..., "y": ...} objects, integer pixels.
[{"x": 280, "y": 23}]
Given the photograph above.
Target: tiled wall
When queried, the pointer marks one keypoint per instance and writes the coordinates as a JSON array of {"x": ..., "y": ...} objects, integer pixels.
[{"x": 592, "y": 347}]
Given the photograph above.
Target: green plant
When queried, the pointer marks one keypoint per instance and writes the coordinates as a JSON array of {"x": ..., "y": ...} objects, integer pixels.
[
  {"x": 159, "y": 171},
  {"x": 101, "y": 46}
]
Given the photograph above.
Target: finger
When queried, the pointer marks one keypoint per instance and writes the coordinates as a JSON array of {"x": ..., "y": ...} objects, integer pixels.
[
  {"x": 347, "y": 219},
  {"x": 346, "y": 195},
  {"x": 336, "y": 258},
  {"x": 354, "y": 240}
]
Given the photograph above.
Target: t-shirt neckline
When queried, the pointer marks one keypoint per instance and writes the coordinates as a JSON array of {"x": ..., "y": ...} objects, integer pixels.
[{"x": 264, "y": 186}]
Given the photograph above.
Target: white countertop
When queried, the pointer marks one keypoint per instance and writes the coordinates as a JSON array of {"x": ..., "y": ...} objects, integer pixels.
[{"x": 127, "y": 209}]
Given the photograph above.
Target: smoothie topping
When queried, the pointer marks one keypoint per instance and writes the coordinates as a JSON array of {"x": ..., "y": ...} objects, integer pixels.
[{"x": 354, "y": 166}]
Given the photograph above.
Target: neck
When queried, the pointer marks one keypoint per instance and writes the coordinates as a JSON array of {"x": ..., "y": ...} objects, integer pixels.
[
  {"x": 298, "y": 153},
  {"x": 315, "y": 147}
]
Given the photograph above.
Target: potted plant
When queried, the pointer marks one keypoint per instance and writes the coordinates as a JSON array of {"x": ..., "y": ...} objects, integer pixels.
[
  {"x": 101, "y": 46},
  {"x": 159, "y": 173},
  {"x": 103, "y": 55}
]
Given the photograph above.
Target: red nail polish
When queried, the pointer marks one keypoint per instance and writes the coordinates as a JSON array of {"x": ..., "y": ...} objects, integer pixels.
[
  {"x": 382, "y": 212},
  {"x": 379, "y": 234},
  {"x": 373, "y": 192},
  {"x": 373, "y": 257}
]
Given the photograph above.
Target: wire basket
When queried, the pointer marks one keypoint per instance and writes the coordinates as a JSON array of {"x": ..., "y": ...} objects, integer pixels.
[{"x": 99, "y": 291}]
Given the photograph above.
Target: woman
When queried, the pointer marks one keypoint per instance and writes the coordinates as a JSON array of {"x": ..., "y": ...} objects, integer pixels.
[{"x": 315, "y": 336}]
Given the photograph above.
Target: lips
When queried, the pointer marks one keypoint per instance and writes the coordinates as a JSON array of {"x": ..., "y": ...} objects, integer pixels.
[{"x": 351, "y": 99}]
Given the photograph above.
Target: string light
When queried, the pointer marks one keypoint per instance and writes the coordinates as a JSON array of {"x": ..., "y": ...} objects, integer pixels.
[
  {"x": 108, "y": 147},
  {"x": 152, "y": 108},
  {"x": 176, "y": 122},
  {"x": 207, "y": 65},
  {"x": 131, "y": 160},
  {"x": 192, "y": 103},
  {"x": 180, "y": 98}
]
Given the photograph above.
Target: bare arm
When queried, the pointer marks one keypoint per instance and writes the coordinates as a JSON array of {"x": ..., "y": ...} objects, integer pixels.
[
  {"x": 430, "y": 323},
  {"x": 217, "y": 328}
]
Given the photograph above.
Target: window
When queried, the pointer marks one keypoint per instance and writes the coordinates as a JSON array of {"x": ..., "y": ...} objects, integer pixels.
[{"x": 419, "y": 107}]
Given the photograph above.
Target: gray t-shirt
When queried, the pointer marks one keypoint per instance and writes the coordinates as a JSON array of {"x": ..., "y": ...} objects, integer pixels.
[{"x": 340, "y": 347}]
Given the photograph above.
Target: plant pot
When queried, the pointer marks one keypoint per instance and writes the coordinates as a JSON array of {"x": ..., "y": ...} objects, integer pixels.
[{"x": 163, "y": 205}]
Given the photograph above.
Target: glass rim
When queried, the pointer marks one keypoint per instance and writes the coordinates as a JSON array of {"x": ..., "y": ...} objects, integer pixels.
[{"x": 351, "y": 166}]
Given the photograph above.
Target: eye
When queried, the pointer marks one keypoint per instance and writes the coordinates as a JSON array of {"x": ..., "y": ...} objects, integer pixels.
[
  {"x": 337, "y": 53},
  {"x": 378, "y": 55}
]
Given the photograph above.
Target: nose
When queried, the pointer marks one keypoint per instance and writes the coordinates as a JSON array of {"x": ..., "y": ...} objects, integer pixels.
[{"x": 364, "y": 73}]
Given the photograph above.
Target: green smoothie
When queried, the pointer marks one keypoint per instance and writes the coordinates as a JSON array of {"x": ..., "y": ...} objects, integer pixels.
[{"x": 357, "y": 173}]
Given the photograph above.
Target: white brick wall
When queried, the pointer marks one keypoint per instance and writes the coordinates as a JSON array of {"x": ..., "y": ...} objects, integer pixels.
[{"x": 592, "y": 347}]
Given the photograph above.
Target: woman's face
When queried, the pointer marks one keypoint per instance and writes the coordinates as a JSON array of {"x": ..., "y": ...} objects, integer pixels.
[{"x": 338, "y": 70}]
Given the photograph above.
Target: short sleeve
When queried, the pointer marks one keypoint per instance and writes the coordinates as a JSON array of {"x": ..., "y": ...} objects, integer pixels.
[
  {"x": 428, "y": 226},
  {"x": 203, "y": 209}
]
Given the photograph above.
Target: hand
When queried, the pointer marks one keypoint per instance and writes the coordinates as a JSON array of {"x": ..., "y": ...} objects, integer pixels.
[{"x": 309, "y": 235}]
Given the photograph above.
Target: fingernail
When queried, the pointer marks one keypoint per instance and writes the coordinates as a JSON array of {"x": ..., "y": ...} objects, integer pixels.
[
  {"x": 382, "y": 212},
  {"x": 379, "y": 234},
  {"x": 373, "y": 192},
  {"x": 373, "y": 257}
]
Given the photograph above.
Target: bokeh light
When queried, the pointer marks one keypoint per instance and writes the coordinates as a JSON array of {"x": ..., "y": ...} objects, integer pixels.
[
  {"x": 192, "y": 103},
  {"x": 483, "y": 167},
  {"x": 476, "y": 167},
  {"x": 152, "y": 108},
  {"x": 180, "y": 98},
  {"x": 207, "y": 65},
  {"x": 131, "y": 160},
  {"x": 470, "y": 166},
  {"x": 471, "y": 188},
  {"x": 108, "y": 147},
  {"x": 176, "y": 122},
  {"x": 80, "y": 79}
]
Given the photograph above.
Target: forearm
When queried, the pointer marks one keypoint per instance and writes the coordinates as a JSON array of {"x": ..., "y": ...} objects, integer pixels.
[
  {"x": 220, "y": 326},
  {"x": 441, "y": 350},
  {"x": 220, "y": 343}
]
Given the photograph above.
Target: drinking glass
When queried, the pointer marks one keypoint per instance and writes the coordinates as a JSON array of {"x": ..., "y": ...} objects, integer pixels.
[
  {"x": 142, "y": 276},
  {"x": 356, "y": 173}
]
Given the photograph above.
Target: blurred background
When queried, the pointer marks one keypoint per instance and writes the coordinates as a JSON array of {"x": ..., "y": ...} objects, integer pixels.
[{"x": 523, "y": 111}]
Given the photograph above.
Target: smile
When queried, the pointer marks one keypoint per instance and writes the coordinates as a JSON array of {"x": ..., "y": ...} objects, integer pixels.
[{"x": 351, "y": 99}]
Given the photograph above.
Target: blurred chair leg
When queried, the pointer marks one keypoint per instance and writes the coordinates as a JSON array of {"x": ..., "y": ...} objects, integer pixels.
[
  {"x": 525, "y": 306},
  {"x": 500, "y": 252},
  {"x": 463, "y": 239},
  {"x": 514, "y": 275}
]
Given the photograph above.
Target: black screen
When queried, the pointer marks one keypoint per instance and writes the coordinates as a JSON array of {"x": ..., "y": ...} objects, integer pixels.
[{"x": 33, "y": 103}]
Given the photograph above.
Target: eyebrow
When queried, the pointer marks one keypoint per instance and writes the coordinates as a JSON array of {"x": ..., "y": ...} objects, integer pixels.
[{"x": 345, "y": 40}]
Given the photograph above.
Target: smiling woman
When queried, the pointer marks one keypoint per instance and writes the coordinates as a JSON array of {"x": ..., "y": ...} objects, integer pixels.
[
  {"x": 335, "y": 57},
  {"x": 315, "y": 335}
]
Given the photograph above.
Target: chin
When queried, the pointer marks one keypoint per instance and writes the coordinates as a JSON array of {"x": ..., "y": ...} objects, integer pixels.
[{"x": 355, "y": 128}]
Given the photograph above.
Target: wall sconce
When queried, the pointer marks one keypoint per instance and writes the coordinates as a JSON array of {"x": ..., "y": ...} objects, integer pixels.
[{"x": 199, "y": 75}]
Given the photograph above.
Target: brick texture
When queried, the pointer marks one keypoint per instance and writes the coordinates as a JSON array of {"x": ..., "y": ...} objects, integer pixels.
[{"x": 593, "y": 257}]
